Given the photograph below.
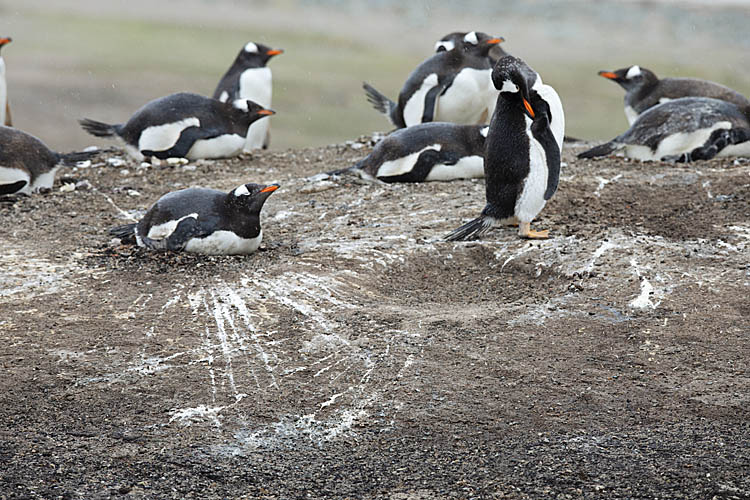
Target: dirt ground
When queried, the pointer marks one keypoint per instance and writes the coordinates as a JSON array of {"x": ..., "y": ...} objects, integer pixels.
[{"x": 359, "y": 356}]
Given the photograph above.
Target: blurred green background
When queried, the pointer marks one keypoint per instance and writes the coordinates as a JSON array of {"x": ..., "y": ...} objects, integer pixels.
[{"x": 87, "y": 58}]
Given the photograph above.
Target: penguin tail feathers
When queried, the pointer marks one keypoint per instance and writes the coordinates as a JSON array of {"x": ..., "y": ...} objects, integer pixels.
[
  {"x": 379, "y": 101},
  {"x": 600, "y": 150},
  {"x": 98, "y": 129},
  {"x": 126, "y": 233},
  {"x": 472, "y": 230},
  {"x": 71, "y": 159},
  {"x": 343, "y": 171}
]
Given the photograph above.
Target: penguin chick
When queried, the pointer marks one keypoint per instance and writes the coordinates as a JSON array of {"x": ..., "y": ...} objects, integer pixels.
[
  {"x": 435, "y": 151},
  {"x": 643, "y": 90},
  {"x": 685, "y": 129},
  {"x": 184, "y": 125},
  {"x": 249, "y": 78},
  {"x": 27, "y": 165},
  {"x": 201, "y": 220},
  {"x": 522, "y": 152},
  {"x": 5, "y": 118},
  {"x": 451, "y": 86}
]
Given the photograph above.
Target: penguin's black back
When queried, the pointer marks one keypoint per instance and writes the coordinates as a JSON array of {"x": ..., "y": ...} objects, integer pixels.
[
  {"x": 675, "y": 88},
  {"x": 23, "y": 151},
  {"x": 175, "y": 107}
]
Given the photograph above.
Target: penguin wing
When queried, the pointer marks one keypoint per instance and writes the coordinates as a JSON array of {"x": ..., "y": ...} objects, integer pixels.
[
  {"x": 423, "y": 166},
  {"x": 187, "y": 138},
  {"x": 187, "y": 229},
  {"x": 430, "y": 101}
]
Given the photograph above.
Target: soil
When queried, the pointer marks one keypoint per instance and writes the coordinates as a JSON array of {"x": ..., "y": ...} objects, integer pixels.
[{"x": 357, "y": 355}]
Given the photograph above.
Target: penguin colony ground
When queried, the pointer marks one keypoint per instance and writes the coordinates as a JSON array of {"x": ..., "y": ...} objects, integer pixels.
[{"x": 468, "y": 110}]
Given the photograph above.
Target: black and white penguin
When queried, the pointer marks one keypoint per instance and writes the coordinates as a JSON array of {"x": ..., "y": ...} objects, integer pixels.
[
  {"x": 4, "y": 103},
  {"x": 184, "y": 125},
  {"x": 451, "y": 86},
  {"x": 449, "y": 42},
  {"x": 685, "y": 129},
  {"x": 643, "y": 90},
  {"x": 436, "y": 151},
  {"x": 249, "y": 78},
  {"x": 27, "y": 165},
  {"x": 201, "y": 220},
  {"x": 522, "y": 152}
]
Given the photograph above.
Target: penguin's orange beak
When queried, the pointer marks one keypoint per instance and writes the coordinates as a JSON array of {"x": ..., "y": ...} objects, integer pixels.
[
  {"x": 274, "y": 52},
  {"x": 3, "y": 41},
  {"x": 270, "y": 189},
  {"x": 608, "y": 74},
  {"x": 493, "y": 41},
  {"x": 266, "y": 112},
  {"x": 528, "y": 107}
]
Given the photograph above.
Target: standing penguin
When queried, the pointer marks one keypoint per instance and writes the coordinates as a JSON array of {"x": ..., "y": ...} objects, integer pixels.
[
  {"x": 4, "y": 104},
  {"x": 201, "y": 220},
  {"x": 184, "y": 125},
  {"x": 451, "y": 86},
  {"x": 643, "y": 90},
  {"x": 685, "y": 129},
  {"x": 249, "y": 78},
  {"x": 435, "y": 151},
  {"x": 27, "y": 165},
  {"x": 522, "y": 152}
]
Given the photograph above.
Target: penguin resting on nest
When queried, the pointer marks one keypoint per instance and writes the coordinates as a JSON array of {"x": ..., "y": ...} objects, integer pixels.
[
  {"x": 683, "y": 130},
  {"x": 522, "y": 152},
  {"x": 200, "y": 220}
]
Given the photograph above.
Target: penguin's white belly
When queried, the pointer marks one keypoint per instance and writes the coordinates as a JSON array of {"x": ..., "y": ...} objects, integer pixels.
[
  {"x": 468, "y": 167},
  {"x": 531, "y": 200},
  {"x": 557, "y": 114},
  {"x": 163, "y": 137},
  {"x": 742, "y": 149},
  {"x": 45, "y": 180},
  {"x": 223, "y": 146},
  {"x": 224, "y": 243},
  {"x": 674, "y": 144},
  {"x": 404, "y": 164},
  {"x": 256, "y": 85},
  {"x": 467, "y": 99},
  {"x": 13, "y": 175},
  {"x": 414, "y": 108}
]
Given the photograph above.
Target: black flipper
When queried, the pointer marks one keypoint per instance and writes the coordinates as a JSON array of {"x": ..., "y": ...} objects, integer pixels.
[
  {"x": 423, "y": 166},
  {"x": 718, "y": 140},
  {"x": 601, "y": 150},
  {"x": 180, "y": 149},
  {"x": 6, "y": 189},
  {"x": 430, "y": 101}
]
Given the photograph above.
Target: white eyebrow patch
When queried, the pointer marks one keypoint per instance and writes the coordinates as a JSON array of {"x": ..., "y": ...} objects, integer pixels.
[
  {"x": 240, "y": 104},
  {"x": 471, "y": 38},
  {"x": 509, "y": 86},
  {"x": 484, "y": 131},
  {"x": 447, "y": 45},
  {"x": 241, "y": 191},
  {"x": 251, "y": 47},
  {"x": 633, "y": 72}
]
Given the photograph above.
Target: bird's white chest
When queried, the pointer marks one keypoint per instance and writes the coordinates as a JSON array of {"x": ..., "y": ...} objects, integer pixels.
[
  {"x": 224, "y": 243},
  {"x": 531, "y": 200},
  {"x": 223, "y": 146},
  {"x": 414, "y": 107},
  {"x": 467, "y": 99},
  {"x": 256, "y": 85}
]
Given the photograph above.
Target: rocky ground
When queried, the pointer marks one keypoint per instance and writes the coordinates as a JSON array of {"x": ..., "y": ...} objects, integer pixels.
[{"x": 359, "y": 356}]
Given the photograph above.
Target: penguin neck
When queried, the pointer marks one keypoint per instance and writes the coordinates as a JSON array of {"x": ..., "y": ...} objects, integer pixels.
[{"x": 639, "y": 93}]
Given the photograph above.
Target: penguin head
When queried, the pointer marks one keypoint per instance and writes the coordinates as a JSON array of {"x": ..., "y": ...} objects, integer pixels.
[
  {"x": 249, "y": 111},
  {"x": 479, "y": 43},
  {"x": 5, "y": 41},
  {"x": 250, "y": 196},
  {"x": 256, "y": 55},
  {"x": 516, "y": 80},
  {"x": 630, "y": 78},
  {"x": 449, "y": 41}
]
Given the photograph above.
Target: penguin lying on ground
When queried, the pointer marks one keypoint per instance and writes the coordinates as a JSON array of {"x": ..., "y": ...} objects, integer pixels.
[
  {"x": 522, "y": 152},
  {"x": 184, "y": 125},
  {"x": 27, "y": 165},
  {"x": 451, "y": 86},
  {"x": 685, "y": 129},
  {"x": 451, "y": 40},
  {"x": 435, "y": 151},
  {"x": 200, "y": 220},
  {"x": 249, "y": 78},
  {"x": 643, "y": 90},
  {"x": 4, "y": 105}
]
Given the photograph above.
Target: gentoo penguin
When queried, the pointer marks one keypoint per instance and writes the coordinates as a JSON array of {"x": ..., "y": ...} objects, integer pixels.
[
  {"x": 449, "y": 42},
  {"x": 522, "y": 151},
  {"x": 435, "y": 151},
  {"x": 685, "y": 129},
  {"x": 249, "y": 78},
  {"x": 27, "y": 165},
  {"x": 184, "y": 125},
  {"x": 4, "y": 105},
  {"x": 202, "y": 220},
  {"x": 451, "y": 86},
  {"x": 643, "y": 90}
]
